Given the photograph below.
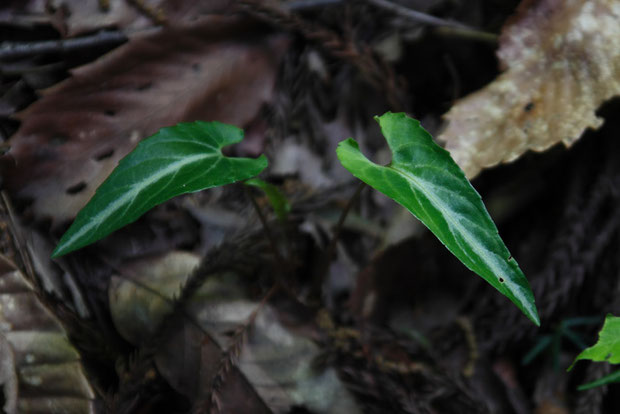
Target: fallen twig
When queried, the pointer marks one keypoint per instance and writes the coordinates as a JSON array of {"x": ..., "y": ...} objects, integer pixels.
[{"x": 16, "y": 50}]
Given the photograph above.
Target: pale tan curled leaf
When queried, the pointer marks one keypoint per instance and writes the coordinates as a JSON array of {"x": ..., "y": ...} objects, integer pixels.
[
  {"x": 40, "y": 371},
  {"x": 140, "y": 299},
  {"x": 274, "y": 364},
  {"x": 70, "y": 140},
  {"x": 562, "y": 61}
]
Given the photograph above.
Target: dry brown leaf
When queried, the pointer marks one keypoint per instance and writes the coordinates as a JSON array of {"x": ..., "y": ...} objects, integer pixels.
[
  {"x": 187, "y": 360},
  {"x": 275, "y": 363},
  {"x": 40, "y": 371},
  {"x": 563, "y": 61},
  {"x": 71, "y": 139},
  {"x": 135, "y": 307},
  {"x": 82, "y": 16}
]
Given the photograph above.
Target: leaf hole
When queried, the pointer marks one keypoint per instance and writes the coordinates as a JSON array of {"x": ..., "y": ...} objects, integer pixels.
[
  {"x": 104, "y": 154},
  {"x": 74, "y": 189},
  {"x": 528, "y": 107},
  {"x": 109, "y": 112},
  {"x": 501, "y": 280},
  {"x": 144, "y": 86}
]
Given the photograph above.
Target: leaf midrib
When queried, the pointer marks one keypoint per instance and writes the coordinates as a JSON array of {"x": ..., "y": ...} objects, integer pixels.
[
  {"x": 446, "y": 212},
  {"x": 128, "y": 197},
  {"x": 516, "y": 293}
]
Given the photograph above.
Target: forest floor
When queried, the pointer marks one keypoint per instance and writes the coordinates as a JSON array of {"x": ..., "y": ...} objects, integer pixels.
[{"x": 197, "y": 307}]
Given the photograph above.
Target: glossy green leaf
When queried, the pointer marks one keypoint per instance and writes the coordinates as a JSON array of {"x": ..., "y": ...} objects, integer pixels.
[
  {"x": 608, "y": 346},
  {"x": 424, "y": 179},
  {"x": 181, "y": 159},
  {"x": 278, "y": 201}
]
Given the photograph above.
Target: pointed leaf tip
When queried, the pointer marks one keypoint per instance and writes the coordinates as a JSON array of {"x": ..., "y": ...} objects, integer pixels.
[
  {"x": 423, "y": 178},
  {"x": 176, "y": 160}
]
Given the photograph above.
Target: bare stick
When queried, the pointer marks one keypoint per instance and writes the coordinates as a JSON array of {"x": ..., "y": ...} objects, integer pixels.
[
  {"x": 229, "y": 358},
  {"x": 331, "y": 247},
  {"x": 15, "y": 50},
  {"x": 266, "y": 228},
  {"x": 374, "y": 70},
  {"x": 445, "y": 27},
  {"x": 415, "y": 15}
]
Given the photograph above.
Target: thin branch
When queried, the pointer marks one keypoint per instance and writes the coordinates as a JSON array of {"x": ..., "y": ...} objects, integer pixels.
[
  {"x": 229, "y": 358},
  {"x": 331, "y": 247},
  {"x": 228, "y": 256},
  {"x": 310, "y": 4},
  {"x": 375, "y": 71},
  {"x": 272, "y": 241},
  {"x": 131, "y": 277},
  {"x": 284, "y": 266},
  {"x": 16, "y": 50},
  {"x": 445, "y": 27},
  {"x": 417, "y": 16},
  {"x": 472, "y": 34}
]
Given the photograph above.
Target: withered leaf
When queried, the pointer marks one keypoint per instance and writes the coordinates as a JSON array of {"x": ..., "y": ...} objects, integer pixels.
[
  {"x": 275, "y": 363},
  {"x": 82, "y": 16},
  {"x": 70, "y": 140},
  {"x": 187, "y": 359},
  {"x": 135, "y": 306},
  {"x": 40, "y": 371},
  {"x": 562, "y": 61}
]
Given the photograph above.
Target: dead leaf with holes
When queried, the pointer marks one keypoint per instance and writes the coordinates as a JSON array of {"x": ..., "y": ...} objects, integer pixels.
[
  {"x": 70, "y": 140},
  {"x": 562, "y": 60},
  {"x": 40, "y": 371},
  {"x": 87, "y": 16}
]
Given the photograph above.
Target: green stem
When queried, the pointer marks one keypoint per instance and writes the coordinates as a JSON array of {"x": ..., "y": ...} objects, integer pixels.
[{"x": 272, "y": 241}]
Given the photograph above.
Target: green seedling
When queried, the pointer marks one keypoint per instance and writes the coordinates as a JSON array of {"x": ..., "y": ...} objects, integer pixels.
[{"x": 422, "y": 177}]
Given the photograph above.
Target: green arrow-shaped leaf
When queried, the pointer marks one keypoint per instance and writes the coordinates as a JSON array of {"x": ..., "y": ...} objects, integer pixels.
[
  {"x": 177, "y": 160},
  {"x": 424, "y": 179}
]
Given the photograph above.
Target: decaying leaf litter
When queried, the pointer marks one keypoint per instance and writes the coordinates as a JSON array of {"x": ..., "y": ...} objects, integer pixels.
[{"x": 396, "y": 324}]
